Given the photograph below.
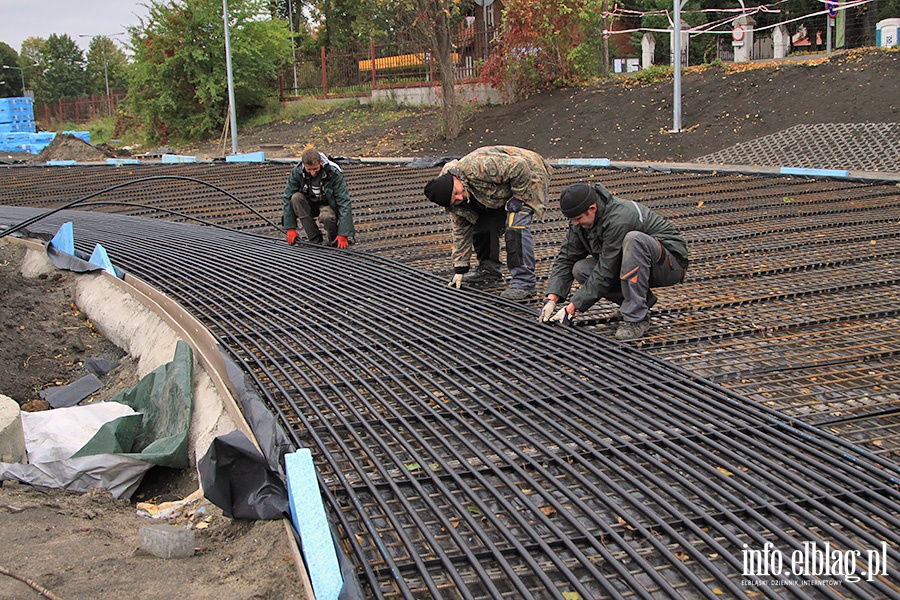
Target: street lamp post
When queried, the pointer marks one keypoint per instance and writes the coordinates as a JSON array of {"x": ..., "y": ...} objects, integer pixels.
[
  {"x": 22, "y": 72},
  {"x": 105, "y": 67}
]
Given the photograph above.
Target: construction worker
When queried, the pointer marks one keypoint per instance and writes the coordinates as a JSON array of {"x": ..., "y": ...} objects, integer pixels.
[
  {"x": 316, "y": 189},
  {"x": 492, "y": 191},
  {"x": 618, "y": 250}
]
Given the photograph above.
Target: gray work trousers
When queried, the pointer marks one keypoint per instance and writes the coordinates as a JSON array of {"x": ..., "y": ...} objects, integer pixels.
[
  {"x": 514, "y": 222},
  {"x": 645, "y": 264},
  {"x": 519, "y": 245},
  {"x": 307, "y": 211}
]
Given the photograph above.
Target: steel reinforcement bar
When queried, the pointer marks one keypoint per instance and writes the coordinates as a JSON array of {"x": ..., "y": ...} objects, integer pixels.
[{"x": 466, "y": 451}]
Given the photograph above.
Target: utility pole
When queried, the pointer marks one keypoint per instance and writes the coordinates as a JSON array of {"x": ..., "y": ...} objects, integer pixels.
[
  {"x": 21, "y": 72},
  {"x": 105, "y": 65},
  {"x": 676, "y": 44},
  {"x": 231, "y": 108}
]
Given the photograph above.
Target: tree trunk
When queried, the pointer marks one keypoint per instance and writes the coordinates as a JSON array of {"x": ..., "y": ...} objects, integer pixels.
[{"x": 450, "y": 123}]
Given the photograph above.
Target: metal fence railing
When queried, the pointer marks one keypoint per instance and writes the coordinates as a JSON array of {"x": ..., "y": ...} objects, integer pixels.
[
  {"x": 397, "y": 64},
  {"x": 78, "y": 110}
]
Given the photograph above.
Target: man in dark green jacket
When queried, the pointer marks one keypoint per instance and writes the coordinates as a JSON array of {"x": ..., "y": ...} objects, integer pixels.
[
  {"x": 316, "y": 189},
  {"x": 616, "y": 249}
]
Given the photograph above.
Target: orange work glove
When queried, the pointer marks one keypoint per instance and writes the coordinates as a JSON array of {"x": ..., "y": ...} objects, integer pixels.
[
  {"x": 342, "y": 241},
  {"x": 292, "y": 236}
]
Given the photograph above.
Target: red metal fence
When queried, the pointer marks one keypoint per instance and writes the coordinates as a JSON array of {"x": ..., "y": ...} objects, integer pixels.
[
  {"x": 323, "y": 74},
  {"x": 78, "y": 110},
  {"x": 396, "y": 64}
]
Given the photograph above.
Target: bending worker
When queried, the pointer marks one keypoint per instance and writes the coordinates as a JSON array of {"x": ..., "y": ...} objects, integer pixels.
[
  {"x": 618, "y": 250},
  {"x": 492, "y": 191},
  {"x": 316, "y": 189}
]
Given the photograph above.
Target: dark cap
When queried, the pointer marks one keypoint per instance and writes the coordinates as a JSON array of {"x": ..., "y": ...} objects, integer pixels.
[
  {"x": 440, "y": 189},
  {"x": 576, "y": 199}
]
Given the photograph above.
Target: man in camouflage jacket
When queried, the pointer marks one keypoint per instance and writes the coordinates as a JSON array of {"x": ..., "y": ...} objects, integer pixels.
[
  {"x": 494, "y": 190},
  {"x": 617, "y": 249}
]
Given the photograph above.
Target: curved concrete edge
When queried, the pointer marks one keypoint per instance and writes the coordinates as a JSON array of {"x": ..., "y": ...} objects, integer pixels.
[
  {"x": 134, "y": 317},
  {"x": 148, "y": 324}
]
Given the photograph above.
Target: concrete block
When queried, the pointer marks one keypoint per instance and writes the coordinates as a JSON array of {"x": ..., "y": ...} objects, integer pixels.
[
  {"x": 12, "y": 437},
  {"x": 250, "y": 157},
  {"x": 167, "y": 541}
]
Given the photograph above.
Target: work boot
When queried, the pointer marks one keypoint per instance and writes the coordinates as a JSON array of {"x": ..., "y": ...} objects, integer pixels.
[
  {"x": 632, "y": 330},
  {"x": 517, "y": 293},
  {"x": 651, "y": 300},
  {"x": 481, "y": 278}
]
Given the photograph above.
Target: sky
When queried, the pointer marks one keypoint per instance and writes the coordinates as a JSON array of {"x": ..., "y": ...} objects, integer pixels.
[{"x": 20, "y": 19}]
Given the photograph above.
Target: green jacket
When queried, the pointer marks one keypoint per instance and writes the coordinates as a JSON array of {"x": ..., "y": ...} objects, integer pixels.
[
  {"x": 334, "y": 192},
  {"x": 493, "y": 175},
  {"x": 603, "y": 241}
]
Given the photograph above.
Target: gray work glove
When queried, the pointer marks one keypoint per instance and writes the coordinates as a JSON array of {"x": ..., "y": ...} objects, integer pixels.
[
  {"x": 456, "y": 281},
  {"x": 562, "y": 317},
  {"x": 547, "y": 310}
]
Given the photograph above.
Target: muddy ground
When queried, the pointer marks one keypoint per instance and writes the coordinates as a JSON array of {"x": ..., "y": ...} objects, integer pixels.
[{"x": 78, "y": 546}]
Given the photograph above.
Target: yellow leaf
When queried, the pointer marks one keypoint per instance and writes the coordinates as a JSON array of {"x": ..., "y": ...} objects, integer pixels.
[{"x": 724, "y": 471}]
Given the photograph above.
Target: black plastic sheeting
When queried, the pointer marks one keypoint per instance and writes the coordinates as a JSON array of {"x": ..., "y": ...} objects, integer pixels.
[{"x": 466, "y": 451}]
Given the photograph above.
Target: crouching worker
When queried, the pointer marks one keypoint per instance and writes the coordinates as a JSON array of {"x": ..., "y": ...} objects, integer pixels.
[
  {"x": 493, "y": 191},
  {"x": 617, "y": 250},
  {"x": 316, "y": 190}
]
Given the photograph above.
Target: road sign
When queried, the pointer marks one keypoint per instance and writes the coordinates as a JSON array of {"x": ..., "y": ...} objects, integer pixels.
[
  {"x": 737, "y": 36},
  {"x": 832, "y": 8}
]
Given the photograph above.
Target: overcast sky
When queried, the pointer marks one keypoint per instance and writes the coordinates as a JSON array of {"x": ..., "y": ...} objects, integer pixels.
[{"x": 20, "y": 19}]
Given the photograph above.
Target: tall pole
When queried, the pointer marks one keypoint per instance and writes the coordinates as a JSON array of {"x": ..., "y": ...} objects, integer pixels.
[
  {"x": 106, "y": 78},
  {"x": 109, "y": 109},
  {"x": 21, "y": 72},
  {"x": 293, "y": 50},
  {"x": 231, "y": 109},
  {"x": 676, "y": 45}
]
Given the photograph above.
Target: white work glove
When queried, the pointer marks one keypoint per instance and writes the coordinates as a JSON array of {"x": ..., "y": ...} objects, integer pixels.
[
  {"x": 547, "y": 310},
  {"x": 562, "y": 317},
  {"x": 456, "y": 281}
]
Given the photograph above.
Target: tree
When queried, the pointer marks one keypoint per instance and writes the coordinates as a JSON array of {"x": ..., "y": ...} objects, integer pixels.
[
  {"x": 10, "y": 78},
  {"x": 430, "y": 22},
  {"x": 105, "y": 60},
  {"x": 179, "y": 82},
  {"x": 536, "y": 43},
  {"x": 62, "y": 64}
]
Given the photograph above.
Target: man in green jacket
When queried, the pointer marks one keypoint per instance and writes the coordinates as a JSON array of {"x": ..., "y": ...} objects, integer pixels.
[
  {"x": 616, "y": 249},
  {"x": 316, "y": 189},
  {"x": 491, "y": 191}
]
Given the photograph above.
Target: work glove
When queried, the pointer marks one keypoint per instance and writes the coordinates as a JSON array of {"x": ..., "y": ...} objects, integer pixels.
[
  {"x": 547, "y": 310},
  {"x": 292, "y": 236},
  {"x": 342, "y": 241},
  {"x": 456, "y": 281},
  {"x": 562, "y": 316}
]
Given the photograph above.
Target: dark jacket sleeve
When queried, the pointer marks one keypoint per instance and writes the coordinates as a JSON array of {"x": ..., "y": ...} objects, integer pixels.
[
  {"x": 295, "y": 180},
  {"x": 572, "y": 250},
  {"x": 338, "y": 197},
  {"x": 624, "y": 217}
]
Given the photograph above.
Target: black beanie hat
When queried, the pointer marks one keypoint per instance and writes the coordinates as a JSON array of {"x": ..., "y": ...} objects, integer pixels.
[
  {"x": 440, "y": 189},
  {"x": 576, "y": 199}
]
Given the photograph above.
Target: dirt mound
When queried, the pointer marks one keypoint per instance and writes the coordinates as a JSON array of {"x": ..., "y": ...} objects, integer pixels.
[{"x": 68, "y": 147}]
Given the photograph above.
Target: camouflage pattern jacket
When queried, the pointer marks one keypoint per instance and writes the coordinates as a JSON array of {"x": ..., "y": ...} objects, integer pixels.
[{"x": 492, "y": 176}]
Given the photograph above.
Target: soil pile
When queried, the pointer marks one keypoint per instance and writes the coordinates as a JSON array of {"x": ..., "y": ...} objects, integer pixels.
[{"x": 68, "y": 147}]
